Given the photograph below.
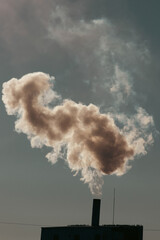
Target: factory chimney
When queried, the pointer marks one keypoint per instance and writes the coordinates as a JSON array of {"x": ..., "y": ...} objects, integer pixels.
[{"x": 96, "y": 212}]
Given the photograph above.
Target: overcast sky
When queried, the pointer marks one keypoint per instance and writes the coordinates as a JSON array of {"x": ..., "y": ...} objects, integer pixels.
[{"x": 103, "y": 52}]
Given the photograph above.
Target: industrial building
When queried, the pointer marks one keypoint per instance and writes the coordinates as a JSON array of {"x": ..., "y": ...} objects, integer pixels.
[{"x": 93, "y": 232}]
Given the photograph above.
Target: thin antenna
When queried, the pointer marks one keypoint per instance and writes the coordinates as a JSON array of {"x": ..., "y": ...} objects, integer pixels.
[{"x": 114, "y": 199}]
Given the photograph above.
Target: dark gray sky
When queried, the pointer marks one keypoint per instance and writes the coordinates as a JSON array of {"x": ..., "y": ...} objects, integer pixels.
[{"x": 104, "y": 52}]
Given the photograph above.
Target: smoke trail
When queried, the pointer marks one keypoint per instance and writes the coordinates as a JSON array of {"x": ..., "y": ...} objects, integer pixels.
[{"x": 94, "y": 144}]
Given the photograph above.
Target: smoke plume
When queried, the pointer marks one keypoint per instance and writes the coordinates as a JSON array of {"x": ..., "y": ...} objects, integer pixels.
[{"x": 94, "y": 145}]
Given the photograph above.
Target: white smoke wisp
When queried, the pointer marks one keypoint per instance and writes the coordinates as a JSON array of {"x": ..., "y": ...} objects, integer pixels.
[
  {"x": 138, "y": 129},
  {"x": 101, "y": 52},
  {"x": 95, "y": 146}
]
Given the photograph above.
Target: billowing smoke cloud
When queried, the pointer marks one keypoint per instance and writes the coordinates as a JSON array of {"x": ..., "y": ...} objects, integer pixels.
[
  {"x": 105, "y": 63},
  {"x": 94, "y": 145}
]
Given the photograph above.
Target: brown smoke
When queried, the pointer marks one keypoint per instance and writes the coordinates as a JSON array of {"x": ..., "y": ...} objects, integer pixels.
[{"x": 94, "y": 144}]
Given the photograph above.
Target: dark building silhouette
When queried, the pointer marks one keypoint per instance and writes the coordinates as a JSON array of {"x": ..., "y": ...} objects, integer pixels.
[{"x": 93, "y": 232}]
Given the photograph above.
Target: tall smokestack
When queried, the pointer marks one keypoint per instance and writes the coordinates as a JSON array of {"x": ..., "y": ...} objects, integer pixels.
[{"x": 96, "y": 212}]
